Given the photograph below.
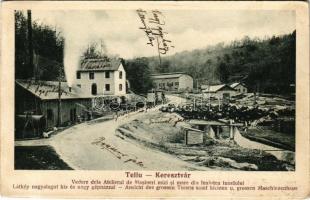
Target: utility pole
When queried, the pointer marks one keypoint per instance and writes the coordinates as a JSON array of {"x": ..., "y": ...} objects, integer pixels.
[
  {"x": 59, "y": 98},
  {"x": 30, "y": 47},
  {"x": 158, "y": 52},
  {"x": 59, "y": 91}
]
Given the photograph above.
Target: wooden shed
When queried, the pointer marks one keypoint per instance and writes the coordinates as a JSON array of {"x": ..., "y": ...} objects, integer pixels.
[{"x": 41, "y": 99}]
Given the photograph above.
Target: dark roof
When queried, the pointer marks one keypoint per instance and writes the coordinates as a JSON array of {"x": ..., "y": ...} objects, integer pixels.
[
  {"x": 168, "y": 75},
  {"x": 47, "y": 90},
  {"x": 100, "y": 64}
]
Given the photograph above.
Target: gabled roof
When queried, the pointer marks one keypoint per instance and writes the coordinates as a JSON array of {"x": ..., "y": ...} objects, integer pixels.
[
  {"x": 233, "y": 85},
  {"x": 47, "y": 90},
  {"x": 215, "y": 88},
  {"x": 168, "y": 75},
  {"x": 100, "y": 64}
]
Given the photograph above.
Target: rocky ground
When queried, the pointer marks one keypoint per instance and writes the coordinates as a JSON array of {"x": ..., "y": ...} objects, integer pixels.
[{"x": 164, "y": 132}]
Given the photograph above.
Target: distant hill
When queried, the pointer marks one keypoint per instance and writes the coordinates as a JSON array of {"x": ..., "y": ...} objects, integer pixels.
[{"x": 264, "y": 65}]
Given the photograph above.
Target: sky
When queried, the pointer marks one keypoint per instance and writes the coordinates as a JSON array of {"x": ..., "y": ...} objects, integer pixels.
[{"x": 120, "y": 33}]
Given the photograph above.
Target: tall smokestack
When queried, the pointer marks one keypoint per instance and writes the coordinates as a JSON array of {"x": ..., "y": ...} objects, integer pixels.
[{"x": 31, "y": 70}]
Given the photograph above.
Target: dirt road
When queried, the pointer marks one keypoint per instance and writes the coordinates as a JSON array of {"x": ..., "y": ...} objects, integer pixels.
[{"x": 96, "y": 146}]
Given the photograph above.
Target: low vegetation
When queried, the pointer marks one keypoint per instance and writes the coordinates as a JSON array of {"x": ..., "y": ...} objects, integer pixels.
[
  {"x": 38, "y": 158},
  {"x": 164, "y": 131}
]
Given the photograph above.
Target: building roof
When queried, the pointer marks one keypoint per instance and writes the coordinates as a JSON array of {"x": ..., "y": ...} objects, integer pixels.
[
  {"x": 168, "y": 75},
  {"x": 100, "y": 64},
  {"x": 48, "y": 90},
  {"x": 215, "y": 88}
]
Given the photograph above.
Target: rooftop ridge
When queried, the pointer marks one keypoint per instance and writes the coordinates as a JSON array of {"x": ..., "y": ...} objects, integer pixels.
[{"x": 168, "y": 73}]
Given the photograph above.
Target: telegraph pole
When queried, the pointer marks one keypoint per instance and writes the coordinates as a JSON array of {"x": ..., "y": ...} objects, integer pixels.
[
  {"x": 59, "y": 92},
  {"x": 30, "y": 46},
  {"x": 158, "y": 52},
  {"x": 59, "y": 98}
]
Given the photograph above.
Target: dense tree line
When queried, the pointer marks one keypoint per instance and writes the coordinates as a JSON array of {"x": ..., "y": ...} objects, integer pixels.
[
  {"x": 47, "y": 49},
  {"x": 265, "y": 65},
  {"x": 138, "y": 73}
]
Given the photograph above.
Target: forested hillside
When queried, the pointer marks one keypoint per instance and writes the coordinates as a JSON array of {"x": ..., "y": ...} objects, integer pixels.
[
  {"x": 265, "y": 65},
  {"x": 47, "y": 49}
]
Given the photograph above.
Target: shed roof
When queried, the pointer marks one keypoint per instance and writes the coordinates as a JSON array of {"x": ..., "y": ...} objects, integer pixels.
[
  {"x": 100, "y": 64},
  {"x": 48, "y": 90},
  {"x": 205, "y": 122},
  {"x": 168, "y": 75},
  {"x": 215, "y": 88},
  {"x": 233, "y": 85}
]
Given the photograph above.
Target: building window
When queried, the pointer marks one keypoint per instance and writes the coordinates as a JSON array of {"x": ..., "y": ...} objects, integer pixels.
[
  {"x": 107, "y": 74},
  {"x": 107, "y": 87},
  {"x": 91, "y": 75},
  {"x": 176, "y": 83},
  {"x": 49, "y": 114},
  {"x": 120, "y": 87},
  {"x": 120, "y": 75},
  {"x": 94, "y": 89},
  {"x": 78, "y": 85},
  {"x": 78, "y": 75}
]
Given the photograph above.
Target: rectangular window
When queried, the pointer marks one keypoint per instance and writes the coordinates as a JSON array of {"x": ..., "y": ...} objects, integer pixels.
[
  {"x": 78, "y": 75},
  {"x": 120, "y": 75},
  {"x": 49, "y": 114},
  {"x": 120, "y": 87},
  {"x": 79, "y": 85},
  {"x": 107, "y": 87},
  {"x": 107, "y": 74},
  {"x": 176, "y": 83},
  {"x": 91, "y": 75}
]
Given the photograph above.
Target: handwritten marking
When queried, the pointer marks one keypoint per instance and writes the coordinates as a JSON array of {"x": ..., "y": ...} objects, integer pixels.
[
  {"x": 113, "y": 150},
  {"x": 152, "y": 25}
]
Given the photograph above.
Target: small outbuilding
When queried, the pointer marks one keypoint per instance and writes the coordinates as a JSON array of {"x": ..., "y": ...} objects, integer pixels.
[
  {"x": 37, "y": 103},
  {"x": 239, "y": 87},
  {"x": 222, "y": 91}
]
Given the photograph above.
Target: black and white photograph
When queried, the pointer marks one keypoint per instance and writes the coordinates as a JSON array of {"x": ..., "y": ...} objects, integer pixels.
[{"x": 155, "y": 89}]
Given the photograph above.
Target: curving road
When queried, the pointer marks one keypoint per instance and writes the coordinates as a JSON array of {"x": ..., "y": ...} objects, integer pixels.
[{"x": 96, "y": 146}]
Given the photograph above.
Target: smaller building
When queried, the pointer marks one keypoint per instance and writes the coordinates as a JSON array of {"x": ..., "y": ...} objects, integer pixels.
[
  {"x": 222, "y": 91},
  {"x": 239, "y": 87},
  {"x": 173, "y": 81},
  {"x": 37, "y": 102}
]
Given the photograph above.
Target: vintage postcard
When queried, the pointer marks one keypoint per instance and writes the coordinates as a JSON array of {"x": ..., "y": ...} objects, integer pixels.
[{"x": 155, "y": 99}]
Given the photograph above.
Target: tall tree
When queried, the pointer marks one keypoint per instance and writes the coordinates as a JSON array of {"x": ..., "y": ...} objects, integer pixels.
[
  {"x": 139, "y": 75},
  {"x": 47, "y": 46},
  {"x": 223, "y": 72}
]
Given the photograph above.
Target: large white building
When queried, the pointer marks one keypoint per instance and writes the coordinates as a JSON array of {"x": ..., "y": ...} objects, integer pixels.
[
  {"x": 173, "y": 81},
  {"x": 101, "y": 77}
]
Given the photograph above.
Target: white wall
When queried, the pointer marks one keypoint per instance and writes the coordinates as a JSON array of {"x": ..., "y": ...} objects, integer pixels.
[
  {"x": 119, "y": 81},
  {"x": 186, "y": 82},
  {"x": 219, "y": 94},
  {"x": 165, "y": 81},
  {"x": 241, "y": 89}
]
